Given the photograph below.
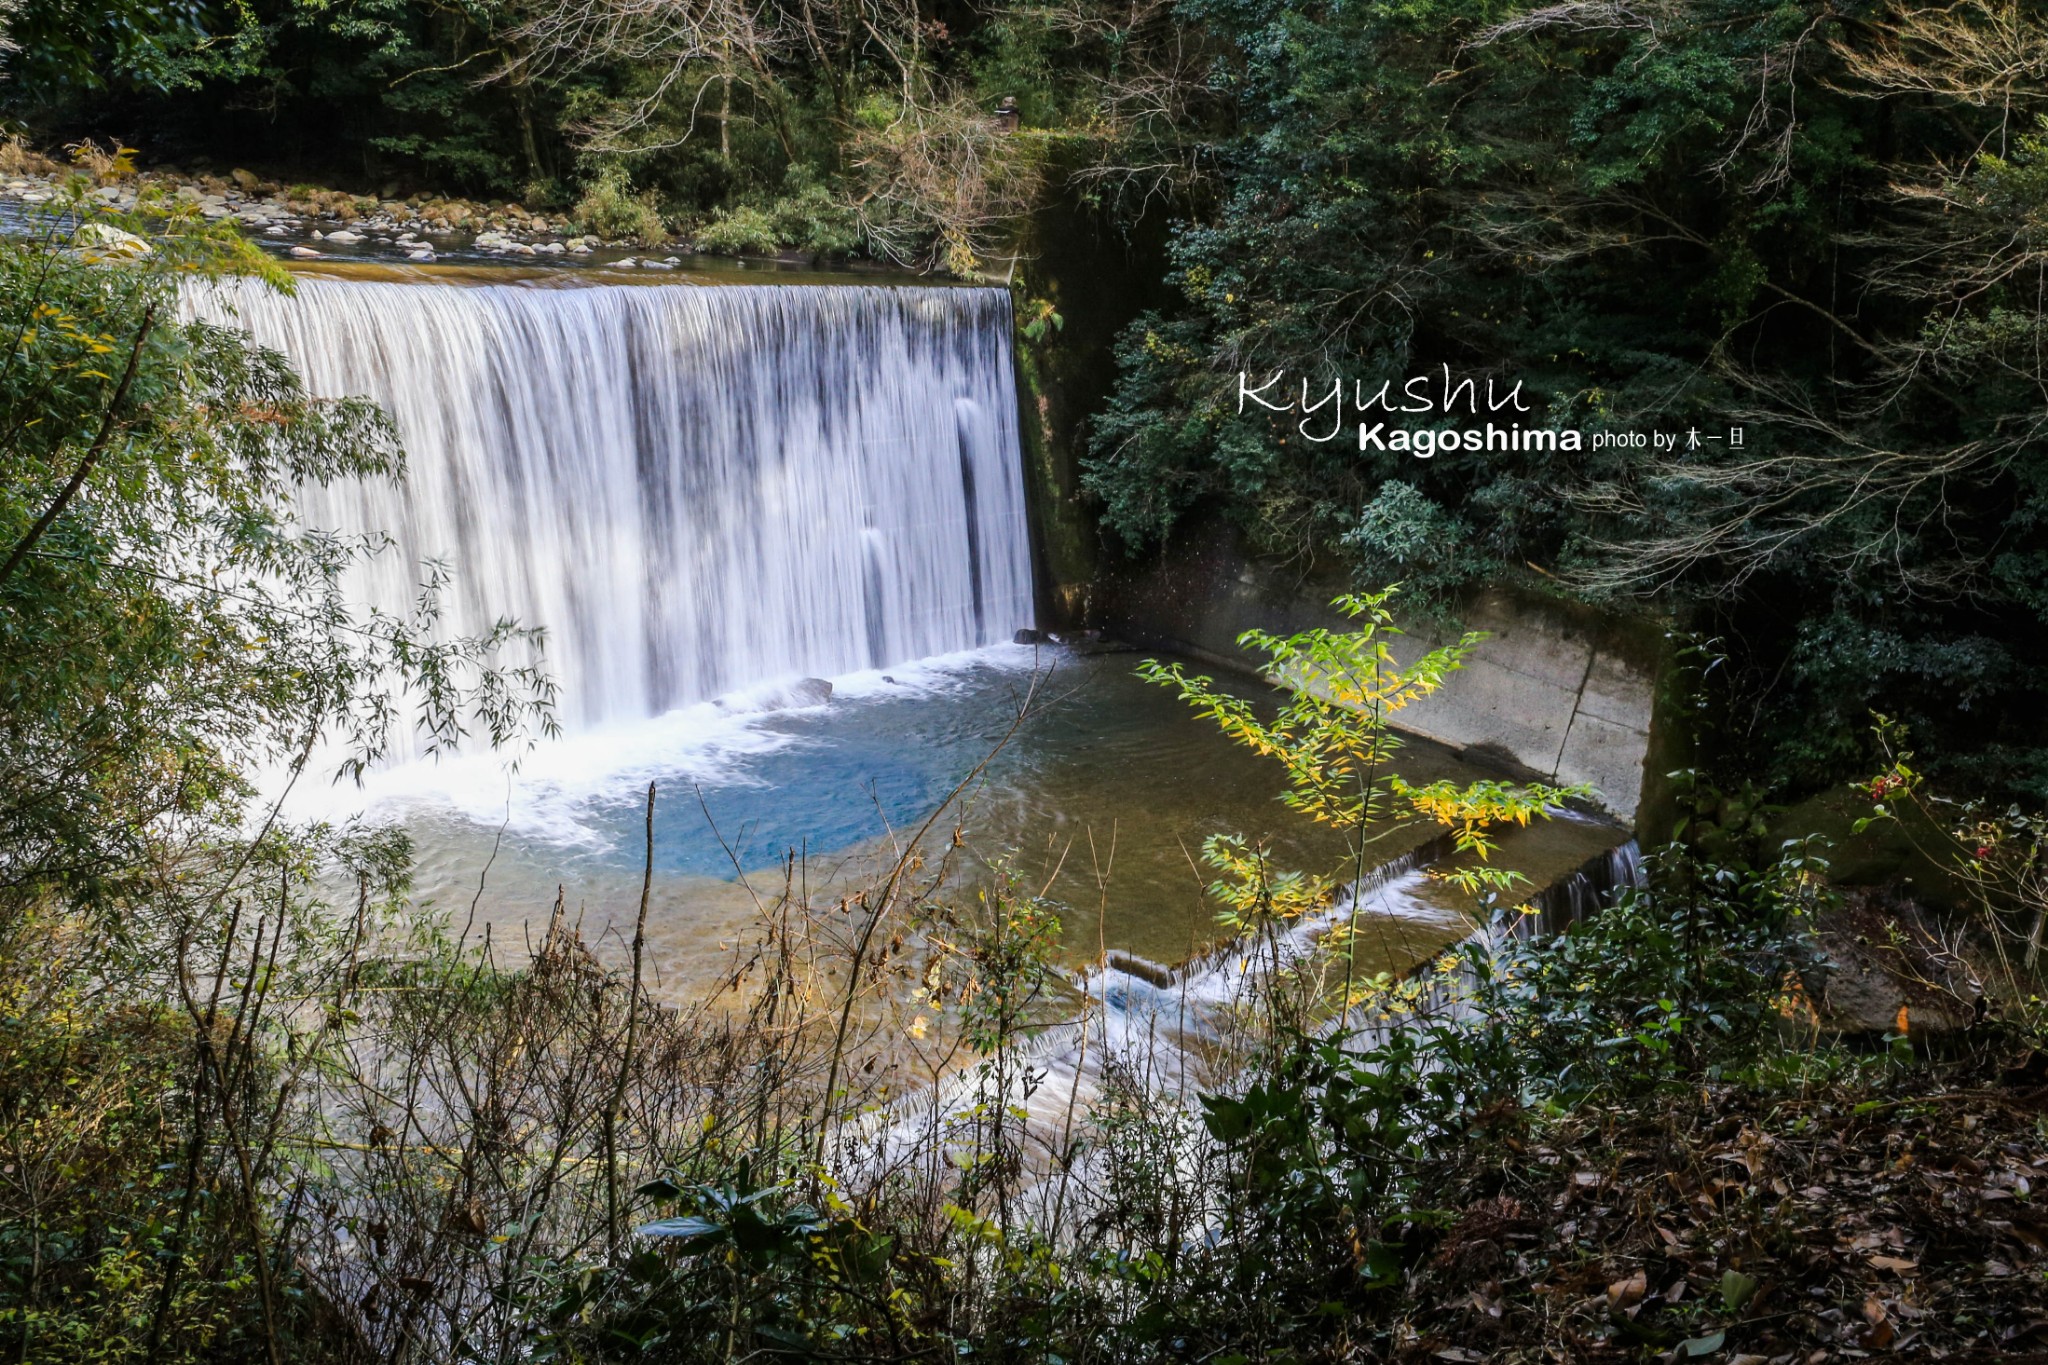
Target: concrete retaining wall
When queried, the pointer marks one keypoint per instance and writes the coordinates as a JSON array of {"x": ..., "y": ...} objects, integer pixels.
[{"x": 1557, "y": 691}]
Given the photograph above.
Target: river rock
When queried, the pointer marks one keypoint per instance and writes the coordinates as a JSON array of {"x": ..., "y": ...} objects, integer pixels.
[
  {"x": 1030, "y": 637},
  {"x": 346, "y": 236},
  {"x": 304, "y": 253},
  {"x": 810, "y": 692},
  {"x": 1150, "y": 972}
]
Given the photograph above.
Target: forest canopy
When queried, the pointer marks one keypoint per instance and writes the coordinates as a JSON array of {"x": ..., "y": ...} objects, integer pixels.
[{"x": 1820, "y": 226}]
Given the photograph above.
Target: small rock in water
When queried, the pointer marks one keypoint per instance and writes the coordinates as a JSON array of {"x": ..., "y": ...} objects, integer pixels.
[
  {"x": 304, "y": 253},
  {"x": 627, "y": 264},
  {"x": 422, "y": 255},
  {"x": 345, "y": 237},
  {"x": 1151, "y": 973},
  {"x": 1030, "y": 637},
  {"x": 810, "y": 692}
]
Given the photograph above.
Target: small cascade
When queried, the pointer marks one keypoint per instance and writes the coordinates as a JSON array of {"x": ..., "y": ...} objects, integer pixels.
[
  {"x": 1142, "y": 1024},
  {"x": 1586, "y": 891}
]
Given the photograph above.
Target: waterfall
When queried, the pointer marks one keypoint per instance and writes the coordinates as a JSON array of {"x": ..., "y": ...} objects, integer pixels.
[
  {"x": 693, "y": 489},
  {"x": 1587, "y": 891}
]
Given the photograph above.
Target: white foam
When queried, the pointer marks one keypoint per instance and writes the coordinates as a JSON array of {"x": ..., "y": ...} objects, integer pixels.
[{"x": 549, "y": 791}]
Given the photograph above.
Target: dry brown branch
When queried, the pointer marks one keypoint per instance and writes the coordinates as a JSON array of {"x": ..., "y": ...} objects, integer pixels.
[
  {"x": 1870, "y": 510},
  {"x": 1581, "y": 16},
  {"x": 942, "y": 186},
  {"x": 1980, "y": 53}
]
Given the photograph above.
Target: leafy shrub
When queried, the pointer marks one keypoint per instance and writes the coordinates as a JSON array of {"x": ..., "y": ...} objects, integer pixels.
[
  {"x": 1681, "y": 976},
  {"x": 610, "y": 209},
  {"x": 1403, "y": 535},
  {"x": 814, "y": 221},
  {"x": 742, "y": 231}
]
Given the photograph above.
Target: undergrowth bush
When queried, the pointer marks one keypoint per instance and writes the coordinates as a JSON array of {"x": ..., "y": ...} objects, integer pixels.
[
  {"x": 813, "y": 219},
  {"x": 740, "y": 231},
  {"x": 611, "y": 209}
]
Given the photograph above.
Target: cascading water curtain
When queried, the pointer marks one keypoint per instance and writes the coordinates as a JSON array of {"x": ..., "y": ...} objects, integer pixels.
[{"x": 694, "y": 489}]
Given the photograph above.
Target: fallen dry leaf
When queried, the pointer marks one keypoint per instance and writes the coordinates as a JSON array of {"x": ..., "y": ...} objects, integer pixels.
[{"x": 1623, "y": 1293}]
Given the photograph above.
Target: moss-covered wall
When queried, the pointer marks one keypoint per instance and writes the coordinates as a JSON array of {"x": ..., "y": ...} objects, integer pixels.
[{"x": 1098, "y": 275}]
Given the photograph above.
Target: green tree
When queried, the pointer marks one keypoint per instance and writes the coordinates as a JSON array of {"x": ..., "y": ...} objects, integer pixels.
[
  {"x": 169, "y": 628},
  {"x": 1334, "y": 739}
]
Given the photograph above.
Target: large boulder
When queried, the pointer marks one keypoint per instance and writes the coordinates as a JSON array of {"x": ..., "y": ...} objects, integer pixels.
[{"x": 1891, "y": 967}]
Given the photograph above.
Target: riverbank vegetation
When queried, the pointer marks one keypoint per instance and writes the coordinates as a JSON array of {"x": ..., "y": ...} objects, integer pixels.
[
  {"x": 836, "y": 129},
  {"x": 1799, "y": 242}
]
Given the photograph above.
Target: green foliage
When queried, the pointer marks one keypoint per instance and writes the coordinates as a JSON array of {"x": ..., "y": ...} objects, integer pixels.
[
  {"x": 814, "y": 220},
  {"x": 1344, "y": 1154},
  {"x": 168, "y": 632},
  {"x": 611, "y": 209},
  {"x": 169, "y": 625},
  {"x": 1006, "y": 952},
  {"x": 717, "y": 114},
  {"x": 1039, "y": 320},
  {"x": 80, "y": 1278},
  {"x": 67, "y": 47},
  {"x": 1691, "y": 972},
  {"x": 1997, "y": 853},
  {"x": 743, "y": 231},
  {"x": 1335, "y": 741},
  {"x": 1634, "y": 225},
  {"x": 1402, "y": 536}
]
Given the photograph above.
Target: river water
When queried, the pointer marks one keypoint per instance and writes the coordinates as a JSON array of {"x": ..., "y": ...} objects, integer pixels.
[{"x": 708, "y": 496}]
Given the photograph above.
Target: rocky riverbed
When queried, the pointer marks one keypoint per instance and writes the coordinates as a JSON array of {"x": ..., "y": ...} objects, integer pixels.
[{"x": 305, "y": 222}]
